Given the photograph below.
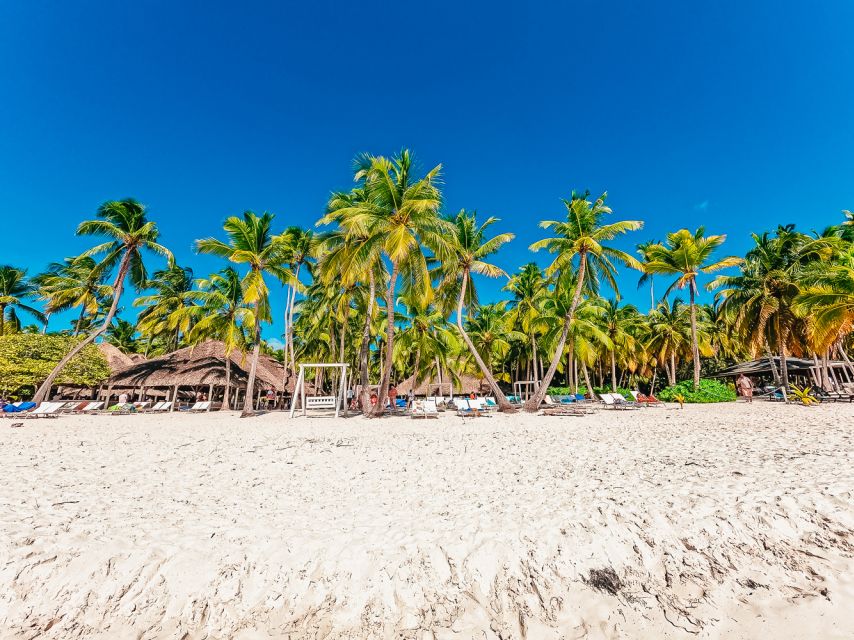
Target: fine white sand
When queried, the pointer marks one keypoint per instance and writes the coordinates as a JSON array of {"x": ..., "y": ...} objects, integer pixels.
[{"x": 721, "y": 521}]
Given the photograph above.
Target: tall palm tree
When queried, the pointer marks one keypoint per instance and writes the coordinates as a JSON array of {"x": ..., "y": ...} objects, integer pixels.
[
  {"x": 301, "y": 245},
  {"x": 401, "y": 212},
  {"x": 251, "y": 242},
  {"x": 74, "y": 282},
  {"x": 530, "y": 291},
  {"x": 129, "y": 231},
  {"x": 171, "y": 286},
  {"x": 490, "y": 332},
  {"x": 219, "y": 312},
  {"x": 14, "y": 289},
  {"x": 581, "y": 235},
  {"x": 469, "y": 250},
  {"x": 669, "y": 335},
  {"x": 760, "y": 299},
  {"x": 687, "y": 255},
  {"x": 619, "y": 323}
]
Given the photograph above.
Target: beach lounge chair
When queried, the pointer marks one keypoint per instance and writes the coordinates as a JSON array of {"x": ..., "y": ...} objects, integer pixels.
[
  {"x": 201, "y": 406},
  {"x": 142, "y": 406},
  {"x": 161, "y": 406},
  {"x": 18, "y": 407},
  {"x": 611, "y": 401},
  {"x": 564, "y": 410},
  {"x": 91, "y": 407},
  {"x": 467, "y": 410},
  {"x": 44, "y": 410},
  {"x": 425, "y": 409}
]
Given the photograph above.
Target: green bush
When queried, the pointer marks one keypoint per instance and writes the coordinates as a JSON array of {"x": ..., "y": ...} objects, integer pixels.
[
  {"x": 709, "y": 391},
  {"x": 26, "y": 359}
]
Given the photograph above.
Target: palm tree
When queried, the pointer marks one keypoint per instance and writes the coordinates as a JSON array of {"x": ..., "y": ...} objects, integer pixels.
[
  {"x": 490, "y": 333},
  {"x": 400, "y": 211},
  {"x": 761, "y": 298},
  {"x": 128, "y": 230},
  {"x": 251, "y": 242},
  {"x": 219, "y": 313},
  {"x": 687, "y": 255},
  {"x": 301, "y": 246},
  {"x": 582, "y": 235},
  {"x": 14, "y": 289},
  {"x": 122, "y": 335},
  {"x": 171, "y": 285},
  {"x": 75, "y": 282},
  {"x": 470, "y": 248},
  {"x": 530, "y": 291},
  {"x": 669, "y": 331},
  {"x": 618, "y": 323}
]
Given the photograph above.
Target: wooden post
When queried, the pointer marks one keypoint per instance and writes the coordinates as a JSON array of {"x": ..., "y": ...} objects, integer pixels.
[
  {"x": 174, "y": 398},
  {"x": 297, "y": 389},
  {"x": 302, "y": 389},
  {"x": 210, "y": 396},
  {"x": 109, "y": 393}
]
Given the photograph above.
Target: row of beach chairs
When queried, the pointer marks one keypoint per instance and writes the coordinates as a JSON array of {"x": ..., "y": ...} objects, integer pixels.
[{"x": 54, "y": 409}]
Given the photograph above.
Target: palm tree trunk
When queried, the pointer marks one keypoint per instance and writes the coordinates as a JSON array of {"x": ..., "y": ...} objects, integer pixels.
[
  {"x": 79, "y": 322},
  {"x": 774, "y": 372},
  {"x": 289, "y": 329},
  {"x": 587, "y": 379},
  {"x": 248, "y": 402},
  {"x": 534, "y": 356},
  {"x": 784, "y": 366},
  {"x": 2, "y": 319},
  {"x": 533, "y": 404},
  {"x": 46, "y": 320},
  {"x": 672, "y": 372},
  {"x": 613, "y": 371},
  {"x": 226, "y": 405},
  {"x": 379, "y": 409},
  {"x": 695, "y": 347},
  {"x": 365, "y": 347},
  {"x": 44, "y": 390},
  {"x": 500, "y": 398}
]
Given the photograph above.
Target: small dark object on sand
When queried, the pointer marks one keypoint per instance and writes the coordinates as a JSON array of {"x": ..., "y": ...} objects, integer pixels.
[
  {"x": 15, "y": 425},
  {"x": 605, "y": 580}
]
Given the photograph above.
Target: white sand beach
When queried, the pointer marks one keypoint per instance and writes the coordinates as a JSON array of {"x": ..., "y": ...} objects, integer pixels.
[{"x": 719, "y": 521}]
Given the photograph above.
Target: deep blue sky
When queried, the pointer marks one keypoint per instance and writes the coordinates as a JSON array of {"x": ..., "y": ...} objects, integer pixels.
[{"x": 736, "y": 115}]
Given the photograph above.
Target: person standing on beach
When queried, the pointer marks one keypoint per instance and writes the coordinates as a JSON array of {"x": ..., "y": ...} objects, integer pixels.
[
  {"x": 392, "y": 397},
  {"x": 744, "y": 387}
]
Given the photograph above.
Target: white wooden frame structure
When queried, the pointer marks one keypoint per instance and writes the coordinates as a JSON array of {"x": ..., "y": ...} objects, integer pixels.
[
  {"x": 339, "y": 402},
  {"x": 530, "y": 386}
]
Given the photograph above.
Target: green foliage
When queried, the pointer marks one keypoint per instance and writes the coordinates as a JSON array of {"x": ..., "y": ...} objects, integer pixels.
[
  {"x": 708, "y": 391},
  {"x": 27, "y": 359}
]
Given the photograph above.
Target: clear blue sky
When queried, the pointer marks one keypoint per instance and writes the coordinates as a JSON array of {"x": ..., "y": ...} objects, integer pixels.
[{"x": 733, "y": 114}]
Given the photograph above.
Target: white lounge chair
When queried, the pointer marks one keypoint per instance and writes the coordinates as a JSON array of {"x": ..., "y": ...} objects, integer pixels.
[
  {"x": 161, "y": 406},
  {"x": 92, "y": 406},
  {"x": 201, "y": 406},
  {"x": 425, "y": 409},
  {"x": 44, "y": 410}
]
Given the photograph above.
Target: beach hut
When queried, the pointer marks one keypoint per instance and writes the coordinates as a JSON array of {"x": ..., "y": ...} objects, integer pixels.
[{"x": 187, "y": 372}]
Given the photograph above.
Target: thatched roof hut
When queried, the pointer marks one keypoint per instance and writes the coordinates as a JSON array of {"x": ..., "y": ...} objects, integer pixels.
[
  {"x": 465, "y": 385},
  {"x": 116, "y": 358},
  {"x": 198, "y": 366}
]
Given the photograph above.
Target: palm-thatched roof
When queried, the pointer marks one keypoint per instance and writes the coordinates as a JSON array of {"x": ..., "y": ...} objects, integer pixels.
[
  {"x": 466, "y": 384},
  {"x": 200, "y": 365},
  {"x": 116, "y": 359},
  {"x": 762, "y": 367}
]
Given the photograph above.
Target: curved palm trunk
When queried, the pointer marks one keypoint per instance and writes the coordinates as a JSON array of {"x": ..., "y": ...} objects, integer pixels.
[
  {"x": 500, "y": 398},
  {"x": 365, "y": 348},
  {"x": 2, "y": 319},
  {"x": 248, "y": 401},
  {"x": 379, "y": 409},
  {"x": 44, "y": 390},
  {"x": 79, "y": 324},
  {"x": 586, "y": 379},
  {"x": 784, "y": 366},
  {"x": 533, "y": 404},
  {"x": 695, "y": 347},
  {"x": 46, "y": 320}
]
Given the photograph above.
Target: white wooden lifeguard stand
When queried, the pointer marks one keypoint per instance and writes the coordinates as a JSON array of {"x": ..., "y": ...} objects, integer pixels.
[
  {"x": 338, "y": 402},
  {"x": 530, "y": 388}
]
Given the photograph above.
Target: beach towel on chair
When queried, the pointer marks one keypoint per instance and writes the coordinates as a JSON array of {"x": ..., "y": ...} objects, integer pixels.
[{"x": 24, "y": 406}]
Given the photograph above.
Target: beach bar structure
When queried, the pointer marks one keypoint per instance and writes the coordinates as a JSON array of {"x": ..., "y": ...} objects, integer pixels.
[
  {"x": 199, "y": 369},
  {"x": 808, "y": 371}
]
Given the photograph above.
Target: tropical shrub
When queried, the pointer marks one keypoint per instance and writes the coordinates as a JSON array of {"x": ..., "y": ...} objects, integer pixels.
[
  {"x": 708, "y": 391},
  {"x": 27, "y": 359}
]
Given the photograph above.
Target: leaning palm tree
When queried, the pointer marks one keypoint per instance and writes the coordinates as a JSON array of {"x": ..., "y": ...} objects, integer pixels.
[
  {"x": 687, "y": 255},
  {"x": 469, "y": 250},
  {"x": 217, "y": 311},
  {"x": 128, "y": 230},
  {"x": 170, "y": 286},
  {"x": 400, "y": 211},
  {"x": 581, "y": 235},
  {"x": 251, "y": 242},
  {"x": 74, "y": 282},
  {"x": 14, "y": 289}
]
